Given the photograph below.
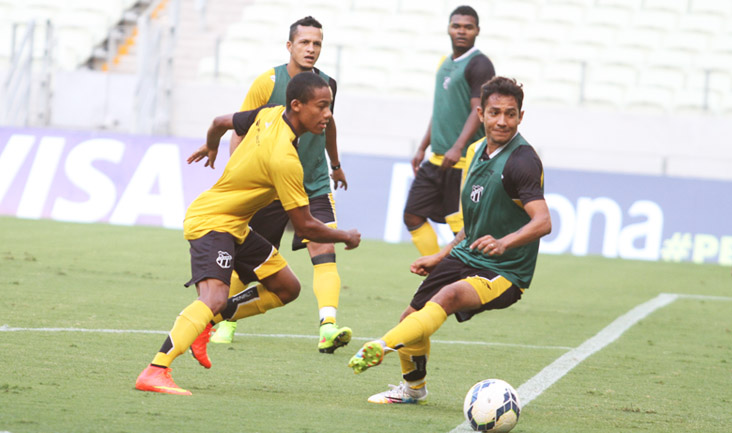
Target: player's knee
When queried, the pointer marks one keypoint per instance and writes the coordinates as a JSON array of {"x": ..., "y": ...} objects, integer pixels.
[
  {"x": 448, "y": 298},
  {"x": 289, "y": 292},
  {"x": 214, "y": 294},
  {"x": 412, "y": 221}
]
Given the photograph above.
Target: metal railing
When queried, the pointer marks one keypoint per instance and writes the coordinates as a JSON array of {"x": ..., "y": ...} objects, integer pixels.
[{"x": 154, "y": 80}]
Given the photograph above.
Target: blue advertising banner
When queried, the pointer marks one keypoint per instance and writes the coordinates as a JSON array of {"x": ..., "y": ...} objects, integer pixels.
[{"x": 142, "y": 180}]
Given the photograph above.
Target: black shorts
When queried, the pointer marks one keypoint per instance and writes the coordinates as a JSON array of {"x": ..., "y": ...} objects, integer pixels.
[
  {"x": 496, "y": 291},
  {"x": 216, "y": 255},
  {"x": 270, "y": 222},
  {"x": 435, "y": 193}
]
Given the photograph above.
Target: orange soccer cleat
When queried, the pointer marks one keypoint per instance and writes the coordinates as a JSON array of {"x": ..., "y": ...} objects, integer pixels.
[
  {"x": 158, "y": 379},
  {"x": 198, "y": 348}
]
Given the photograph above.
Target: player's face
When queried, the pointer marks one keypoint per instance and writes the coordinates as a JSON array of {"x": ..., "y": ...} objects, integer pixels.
[
  {"x": 315, "y": 114},
  {"x": 305, "y": 47},
  {"x": 463, "y": 30},
  {"x": 501, "y": 118}
]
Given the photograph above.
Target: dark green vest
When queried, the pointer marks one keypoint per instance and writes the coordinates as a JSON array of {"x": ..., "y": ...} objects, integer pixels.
[
  {"x": 488, "y": 210},
  {"x": 311, "y": 147},
  {"x": 451, "y": 106}
]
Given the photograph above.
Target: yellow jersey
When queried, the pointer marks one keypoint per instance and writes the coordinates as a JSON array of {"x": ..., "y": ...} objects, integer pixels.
[{"x": 266, "y": 166}]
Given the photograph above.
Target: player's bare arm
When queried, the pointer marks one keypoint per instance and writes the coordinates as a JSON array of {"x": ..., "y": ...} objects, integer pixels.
[
  {"x": 310, "y": 228},
  {"x": 424, "y": 265},
  {"x": 210, "y": 150},
  {"x": 234, "y": 142},
  {"x": 331, "y": 146},
  {"x": 539, "y": 225},
  {"x": 419, "y": 154},
  {"x": 472, "y": 123}
]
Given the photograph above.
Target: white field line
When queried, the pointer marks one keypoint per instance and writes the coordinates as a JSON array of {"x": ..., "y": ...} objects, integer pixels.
[
  {"x": 533, "y": 387},
  {"x": 6, "y": 328}
]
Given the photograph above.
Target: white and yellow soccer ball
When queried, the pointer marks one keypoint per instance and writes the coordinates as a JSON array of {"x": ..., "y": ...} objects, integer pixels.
[{"x": 492, "y": 405}]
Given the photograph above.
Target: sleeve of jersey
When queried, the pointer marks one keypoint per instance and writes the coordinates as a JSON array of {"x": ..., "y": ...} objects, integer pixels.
[
  {"x": 526, "y": 173},
  {"x": 479, "y": 71},
  {"x": 243, "y": 120},
  {"x": 287, "y": 176},
  {"x": 260, "y": 91}
]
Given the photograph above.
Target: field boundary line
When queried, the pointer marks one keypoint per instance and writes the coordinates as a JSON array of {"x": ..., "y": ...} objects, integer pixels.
[
  {"x": 7, "y": 328},
  {"x": 550, "y": 374}
]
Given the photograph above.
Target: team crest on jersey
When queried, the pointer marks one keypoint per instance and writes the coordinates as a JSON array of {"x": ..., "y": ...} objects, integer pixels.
[
  {"x": 476, "y": 193},
  {"x": 446, "y": 83},
  {"x": 224, "y": 259}
]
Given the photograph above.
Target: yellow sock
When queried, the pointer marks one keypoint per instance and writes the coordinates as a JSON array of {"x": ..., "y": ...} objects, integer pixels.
[
  {"x": 425, "y": 239},
  {"x": 413, "y": 360},
  {"x": 416, "y": 327},
  {"x": 188, "y": 325},
  {"x": 326, "y": 284},
  {"x": 264, "y": 301}
]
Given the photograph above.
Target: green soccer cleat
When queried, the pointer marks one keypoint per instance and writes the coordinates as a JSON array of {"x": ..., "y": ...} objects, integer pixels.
[
  {"x": 224, "y": 333},
  {"x": 333, "y": 337},
  {"x": 370, "y": 355}
]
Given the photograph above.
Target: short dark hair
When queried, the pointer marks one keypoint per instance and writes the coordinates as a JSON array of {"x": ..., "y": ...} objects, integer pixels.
[
  {"x": 503, "y": 86},
  {"x": 466, "y": 10},
  {"x": 308, "y": 21},
  {"x": 302, "y": 87}
]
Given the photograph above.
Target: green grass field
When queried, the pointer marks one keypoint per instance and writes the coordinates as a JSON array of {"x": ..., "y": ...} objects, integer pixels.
[{"x": 672, "y": 371}]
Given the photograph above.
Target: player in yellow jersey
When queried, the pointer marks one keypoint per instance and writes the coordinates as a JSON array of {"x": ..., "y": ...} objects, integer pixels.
[
  {"x": 304, "y": 44},
  {"x": 216, "y": 225}
]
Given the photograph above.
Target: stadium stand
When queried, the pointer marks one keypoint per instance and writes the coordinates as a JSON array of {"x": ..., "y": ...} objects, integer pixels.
[
  {"x": 619, "y": 54},
  {"x": 650, "y": 58}
]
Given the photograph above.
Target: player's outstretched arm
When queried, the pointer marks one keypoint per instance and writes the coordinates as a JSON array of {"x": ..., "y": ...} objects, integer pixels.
[
  {"x": 210, "y": 150},
  {"x": 309, "y": 228}
]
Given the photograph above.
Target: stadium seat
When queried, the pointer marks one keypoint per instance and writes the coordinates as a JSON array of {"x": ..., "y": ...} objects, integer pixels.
[
  {"x": 709, "y": 25},
  {"x": 676, "y": 6},
  {"x": 560, "y": 93},
  {"x": 568, "y": 14},
  {"x": 609, "y": 17},
  {"x": 693, "y": 101},
  {"x": 519, "y": 10},
  {"x": 603, "y": 95},
  {"x": 711, "y": 7},
  {"x": 654, "y": 100},
  {"x": 374, "y": 6},
  {"x": 658, "y": 20}
]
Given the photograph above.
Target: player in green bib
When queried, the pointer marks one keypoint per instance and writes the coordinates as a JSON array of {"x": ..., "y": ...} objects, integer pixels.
[
  {"x": 454, "y": 124},
  {"x": 304, "y": 44},
  {"x": 491, "y": 261}
]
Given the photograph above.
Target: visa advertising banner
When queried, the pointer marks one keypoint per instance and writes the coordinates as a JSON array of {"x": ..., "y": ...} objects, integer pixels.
[{"x": 142, "y": 180}]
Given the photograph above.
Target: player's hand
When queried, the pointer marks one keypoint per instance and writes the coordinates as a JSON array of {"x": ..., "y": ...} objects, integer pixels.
[
  {"x": 424, "y": 265},
  {"x": 204, "y": 152},
  {"x": 450, "y": 158},
  {"x": 417, "y": 160},
  {"x": 354, "y": 239},
  {"x": 489, "y": 246},
  {"x": 339, "y": 177}
]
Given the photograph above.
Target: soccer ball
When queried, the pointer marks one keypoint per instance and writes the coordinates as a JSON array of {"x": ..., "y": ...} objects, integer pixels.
[{"x": 492, "y": 405}]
